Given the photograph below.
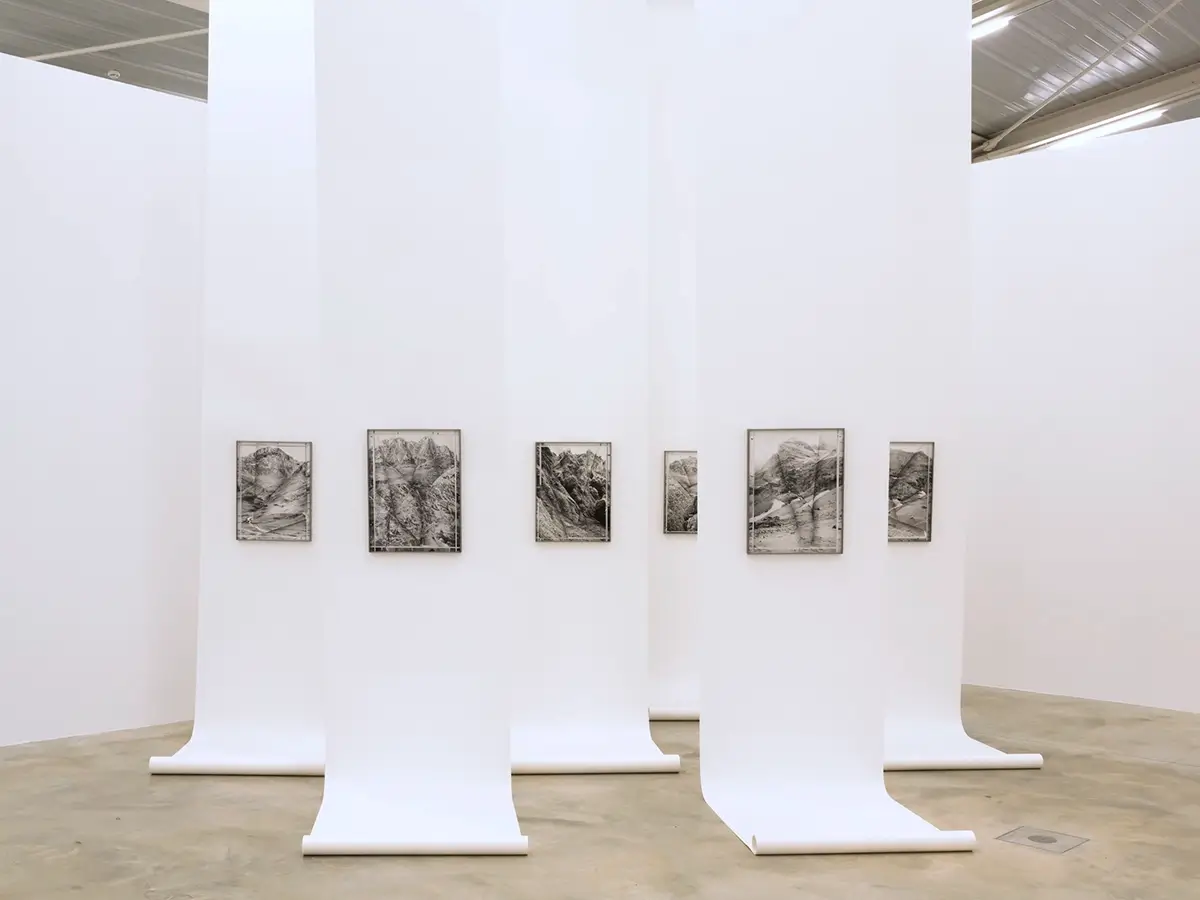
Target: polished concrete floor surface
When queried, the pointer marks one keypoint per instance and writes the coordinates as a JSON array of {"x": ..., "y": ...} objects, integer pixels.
[{"x": 80, "y": 818}]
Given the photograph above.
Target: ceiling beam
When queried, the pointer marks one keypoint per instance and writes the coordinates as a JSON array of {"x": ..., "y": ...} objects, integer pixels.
[
  {"x": 197, "y": 5},
  {"x": 988, "y": 9},
  {"x": 1166, "y": 90}
]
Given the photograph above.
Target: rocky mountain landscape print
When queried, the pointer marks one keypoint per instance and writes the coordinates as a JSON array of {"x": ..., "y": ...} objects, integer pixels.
[
  {"x": 679, "y": 487},
  {"x": 795, "y": 487},
  {"x": 574, "y": 486},
  {"x": 274, "y": 491},
  {"x": 910, "y": 492},
  {"x": 413, "y": 491}
]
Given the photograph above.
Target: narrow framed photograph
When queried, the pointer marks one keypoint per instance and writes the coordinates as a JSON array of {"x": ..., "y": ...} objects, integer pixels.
[
  {"x": 274, "y": 491},
  {"x": 795, "y": 481},
  {"x": 414, "y": 490},
  {"x": 574, "y": 491},
  {"x": 680, "y": 505},
  {"x": 910, "y": 492}
]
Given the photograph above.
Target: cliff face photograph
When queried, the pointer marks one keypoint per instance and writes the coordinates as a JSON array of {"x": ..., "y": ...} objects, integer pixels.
[
  {"x": 573, "y": 492},
  {"x": 910, "y": 492},
  {"x": 795, "y": 491},
  {"x": 680, "y": 504},
  {"x": 274, "y": 491},
  {"x": 413, "y": 491}
]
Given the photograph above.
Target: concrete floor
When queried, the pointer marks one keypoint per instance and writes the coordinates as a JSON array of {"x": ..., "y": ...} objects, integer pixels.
[{"x": 80, "y": 818}]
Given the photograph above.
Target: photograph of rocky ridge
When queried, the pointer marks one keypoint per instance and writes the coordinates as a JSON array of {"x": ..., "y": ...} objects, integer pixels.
[
  {"x": 274, "y": 491},
  {"x": 910, "y": 492},
  {"x": 795, "y": 490},
  {"x": 680, "y": 506},
  {"x": 574, "y": 487},
  {"x": 413, "y": 491}
]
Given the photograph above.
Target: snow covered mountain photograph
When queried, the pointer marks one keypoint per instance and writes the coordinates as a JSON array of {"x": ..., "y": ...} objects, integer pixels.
[
  {"x": 910, "y": 492},
  {"x": 680, "y": 511},
  {"x": 274, "y": 491},
  {"x": 794, "y": 490},
  {"x": 413, "y": 491},
  {"x": 574, "y": 484}
]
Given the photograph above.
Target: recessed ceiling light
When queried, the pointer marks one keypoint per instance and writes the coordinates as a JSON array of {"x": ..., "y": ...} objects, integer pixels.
[{"x": 114, "y": 74}]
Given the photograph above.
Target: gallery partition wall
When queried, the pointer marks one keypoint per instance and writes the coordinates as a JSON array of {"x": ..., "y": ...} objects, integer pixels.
[
  {"x": 1083, "y": 526},
  {"x": 101, "y": 186}
]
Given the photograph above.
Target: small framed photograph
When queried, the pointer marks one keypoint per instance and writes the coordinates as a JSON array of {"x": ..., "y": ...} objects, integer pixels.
[
  {"x": 680, "y": 508},
  {"x": 794, "y": 490},
  {"x": 910, "y": 492},
  {"x": 274, "y": 491},
  {"x": 574, "y": 491},
  {"x": 414, "y": 491}
]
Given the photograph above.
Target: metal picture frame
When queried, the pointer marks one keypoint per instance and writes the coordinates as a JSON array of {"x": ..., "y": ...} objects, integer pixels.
[
  {"x": 565, "y": 483},
  {"x": 273, "y": 491},
  {"x": 910, "y": 492},
  {"x": 410, "y": 508},
  {"x": 681, "y": 518},
  {"x": 795, "y": 491}
]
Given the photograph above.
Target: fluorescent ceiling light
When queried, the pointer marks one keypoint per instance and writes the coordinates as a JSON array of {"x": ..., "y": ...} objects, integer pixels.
[
  {"x": 1112, "y": 126},
  {"x": 989, "y": 26}
]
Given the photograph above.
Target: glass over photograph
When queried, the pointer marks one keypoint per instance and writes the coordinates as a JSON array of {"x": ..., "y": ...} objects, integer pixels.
[
  {"x": 910, "y": 492},
  {"x": 274, "y": 491},
  {"x": 795, "y": 481},
  {"x": 574, "y": 486},
  {"x": 414, "y": 495},
  {"x": 680, "y": 509}
]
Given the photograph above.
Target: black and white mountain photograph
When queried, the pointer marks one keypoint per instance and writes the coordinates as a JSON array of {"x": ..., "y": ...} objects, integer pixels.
[
  {"x": 679, "y": 492},
  {"x": 795, "y": 489},
  {"x": 574, "y": 487},
  {"x": 910, "y": 492},
  {"x": 274, "y": 491},
  {"x": 414, "y": 493}
]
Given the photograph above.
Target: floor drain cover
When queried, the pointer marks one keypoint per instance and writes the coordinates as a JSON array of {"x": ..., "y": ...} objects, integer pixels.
[{"x": 1041, "y": 839}]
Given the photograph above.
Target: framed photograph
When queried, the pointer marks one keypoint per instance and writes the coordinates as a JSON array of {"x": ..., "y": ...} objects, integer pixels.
[
  {"x": 574, "y": 491},
  {"x": 794, "y": 490},
  {"x": 274, "y": 491},
  {"x": 910, "y": 492},
  {"x": 414, "y": 491},
  {"x": 679, "y": 492}
]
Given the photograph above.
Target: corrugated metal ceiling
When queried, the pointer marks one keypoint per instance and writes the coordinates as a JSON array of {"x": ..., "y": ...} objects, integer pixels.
[
  {"x": 1043, "y": 55},
  {"x": 1022, "y": 66},
  {"x": 178, "y": 66}
]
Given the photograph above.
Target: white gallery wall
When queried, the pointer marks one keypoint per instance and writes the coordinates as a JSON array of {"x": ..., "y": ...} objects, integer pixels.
[
  {"x": 674, "y": 619},
  {"x": 101, "y": 190},
  {"x": 1083, "y": 530}
]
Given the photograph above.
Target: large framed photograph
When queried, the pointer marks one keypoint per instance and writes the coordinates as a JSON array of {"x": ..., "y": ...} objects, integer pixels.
[
  {"x": 274, "y": 491},
  {"x": 910, "y": 492},
  {"x": 795, "y": 489},
  {"x": 574, "y": 491},
  {"x": 680, "y": 507},
  {"x": 414, "y": 491}
]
